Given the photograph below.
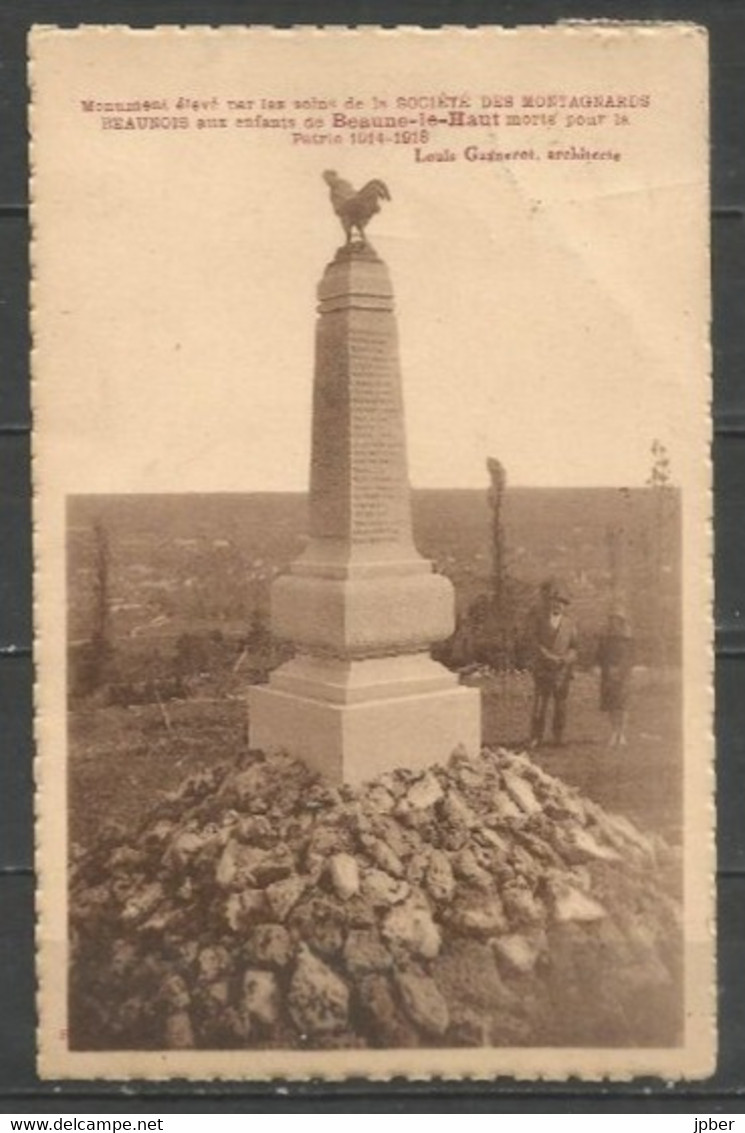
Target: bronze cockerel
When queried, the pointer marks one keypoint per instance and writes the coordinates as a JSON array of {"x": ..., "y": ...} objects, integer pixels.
[{"x": 355, "y": 209}]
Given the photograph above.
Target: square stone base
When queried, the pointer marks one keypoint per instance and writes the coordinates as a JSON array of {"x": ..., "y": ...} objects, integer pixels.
[{"x": 353, "y": 743}]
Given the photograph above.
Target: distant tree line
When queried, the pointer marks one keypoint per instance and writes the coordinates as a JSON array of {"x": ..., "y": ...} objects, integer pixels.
[{"x": 489, "y": 629}]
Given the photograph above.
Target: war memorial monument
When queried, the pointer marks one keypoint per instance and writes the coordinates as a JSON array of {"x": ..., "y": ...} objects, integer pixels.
[{"x": 361, "y": 606}]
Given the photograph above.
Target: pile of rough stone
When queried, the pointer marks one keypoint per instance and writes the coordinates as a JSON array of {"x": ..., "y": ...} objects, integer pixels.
[{"x": 480, "y": 903}]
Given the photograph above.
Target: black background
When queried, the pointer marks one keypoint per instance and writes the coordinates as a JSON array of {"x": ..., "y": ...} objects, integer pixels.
[{"x": 20, "y": 1090}]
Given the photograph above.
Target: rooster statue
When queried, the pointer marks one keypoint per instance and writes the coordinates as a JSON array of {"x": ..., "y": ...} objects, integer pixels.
[{"x": 355, "y": 209}]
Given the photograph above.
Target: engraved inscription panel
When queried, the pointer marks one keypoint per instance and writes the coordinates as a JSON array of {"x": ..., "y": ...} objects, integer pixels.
[
  {"x": 330, "y": 474},
  {"x": 379, "y": 495}
]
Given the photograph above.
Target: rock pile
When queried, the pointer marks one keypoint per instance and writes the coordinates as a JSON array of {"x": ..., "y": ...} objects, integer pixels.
[{"x": 480, "y": 903}]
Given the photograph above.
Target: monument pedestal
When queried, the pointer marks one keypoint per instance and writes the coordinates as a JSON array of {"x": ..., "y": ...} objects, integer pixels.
[
  {"x": 361, "y": 606},
  {"x": 352, "y": 730}
]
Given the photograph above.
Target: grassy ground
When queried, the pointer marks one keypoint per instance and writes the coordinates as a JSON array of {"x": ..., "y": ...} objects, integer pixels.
[
  {"x": 120, "y": 758},
  {"x": 643, "y": 781}
]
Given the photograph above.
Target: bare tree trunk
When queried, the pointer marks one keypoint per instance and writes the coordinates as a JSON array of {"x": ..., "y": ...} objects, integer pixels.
[
  {"x": 660, "y": 482},
  {"x": 498, "y": 478},
  {"x": 101, "y": 626},
  {"x": 614, "y": 538}
]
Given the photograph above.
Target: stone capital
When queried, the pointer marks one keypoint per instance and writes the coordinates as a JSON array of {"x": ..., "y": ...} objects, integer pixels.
[{"x": 382, "y": 614}]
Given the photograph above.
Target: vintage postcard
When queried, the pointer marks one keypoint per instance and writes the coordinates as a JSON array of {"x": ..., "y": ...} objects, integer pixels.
[{"x": 372, "y": 552}]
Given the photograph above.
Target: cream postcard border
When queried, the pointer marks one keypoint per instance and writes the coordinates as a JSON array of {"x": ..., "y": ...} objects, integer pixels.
[{"x": 697, "y": 1057}]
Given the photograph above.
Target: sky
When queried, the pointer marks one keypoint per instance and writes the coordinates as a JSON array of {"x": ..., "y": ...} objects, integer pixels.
[{"x": 549, "y": 316}]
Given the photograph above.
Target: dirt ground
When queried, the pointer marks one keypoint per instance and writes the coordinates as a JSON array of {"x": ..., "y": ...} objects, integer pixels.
[
  {"x": 643, "y": 780},
  {"x": 121, "y": 758}
]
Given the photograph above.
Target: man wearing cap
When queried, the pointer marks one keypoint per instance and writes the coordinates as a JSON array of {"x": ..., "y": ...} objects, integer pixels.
[{"x": 552, "y": 643}]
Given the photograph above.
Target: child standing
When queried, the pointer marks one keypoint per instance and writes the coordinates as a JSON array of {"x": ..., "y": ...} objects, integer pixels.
[{"x": 615, "y": 658}]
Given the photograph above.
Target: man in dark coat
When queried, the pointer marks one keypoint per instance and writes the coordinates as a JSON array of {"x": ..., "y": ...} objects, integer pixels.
[{"x": 552, "y": 646}]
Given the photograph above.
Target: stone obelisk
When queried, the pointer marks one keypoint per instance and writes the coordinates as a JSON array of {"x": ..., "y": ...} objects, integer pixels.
[{"x": 360, "y": 605}]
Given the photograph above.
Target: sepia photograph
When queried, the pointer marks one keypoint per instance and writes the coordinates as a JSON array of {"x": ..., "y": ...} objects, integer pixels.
[{"x": 372, "y": 552}]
